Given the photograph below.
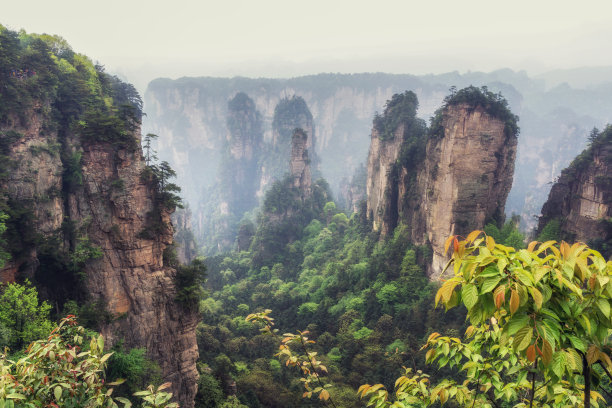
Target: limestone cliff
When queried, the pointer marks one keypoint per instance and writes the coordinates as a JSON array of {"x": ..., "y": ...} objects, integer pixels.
[
  {"x": 466, "y": 176},
  {"x": 396, "y": 148},
  {"x": 581, "y": 199},
  {"x": 289, "y": 114},
  {"x": 84, "y": 223},
  {"x": 299, "y": 165},
  {"x": 238, "y": 177},
  {"x": 454, "y": 182}
]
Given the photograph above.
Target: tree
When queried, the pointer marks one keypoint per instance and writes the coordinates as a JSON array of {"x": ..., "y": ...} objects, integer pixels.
[
  {"x": 65, "y": 370},
  {"x": 150, "y": 154},
  {"x": 22, "y": 316},
  {"x": 540, "y": 326}
]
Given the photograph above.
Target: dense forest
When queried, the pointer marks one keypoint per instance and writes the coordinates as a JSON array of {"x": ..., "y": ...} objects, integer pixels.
[{"x": 302, "y": 302}]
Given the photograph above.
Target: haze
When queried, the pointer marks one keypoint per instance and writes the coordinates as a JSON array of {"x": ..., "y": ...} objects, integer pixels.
[{"x": 141, "y": 40}]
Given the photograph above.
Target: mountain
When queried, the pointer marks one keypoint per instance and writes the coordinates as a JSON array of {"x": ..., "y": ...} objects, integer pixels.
[
  {"x": 447, "y": 180},
  {"x": 88, "y": 222},
  {"x": 579, "y": 206},
  {"x": 190, "y": 115}
]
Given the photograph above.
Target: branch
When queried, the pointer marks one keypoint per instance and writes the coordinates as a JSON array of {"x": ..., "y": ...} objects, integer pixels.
[
  {"x": 314, "y": 370},
  {"x": 605, "y": 369}
]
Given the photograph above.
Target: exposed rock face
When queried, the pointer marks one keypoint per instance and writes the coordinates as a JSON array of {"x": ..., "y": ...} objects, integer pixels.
[
  {"x": 131, "y": 277},
  {"x": 581, "y": 200},
  {"x": 452, "y": 184},
  {"x": 466, "y": 177},
  {"x": 382, "y": 190},
  {"x": 111, "y": 206},
  {"x": 290, "y": 114},
  {"x": 299, "y": 165},
  {"x": 353, "y": 194}
]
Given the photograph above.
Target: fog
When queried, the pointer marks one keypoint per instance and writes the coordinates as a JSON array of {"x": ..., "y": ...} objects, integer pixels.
[{"x": 141, "y": 40}]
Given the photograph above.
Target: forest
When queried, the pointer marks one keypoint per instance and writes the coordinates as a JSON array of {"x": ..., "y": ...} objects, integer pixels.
[{"x": 305, "y": 303}]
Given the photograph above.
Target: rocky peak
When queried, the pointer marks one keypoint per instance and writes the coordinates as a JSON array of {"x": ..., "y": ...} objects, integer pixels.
[
  {"x": 84, "y": 222},
  {"x": 466, "y": 176},
  {"x": 580, "y": 202},
  {"x": 299, "y": 164},
  {"x": 245, "y": 134},
  {"x": 452, "y": 181}
]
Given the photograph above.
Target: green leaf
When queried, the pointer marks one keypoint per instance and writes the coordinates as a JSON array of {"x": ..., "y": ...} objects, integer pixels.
[
  {"x": 469, "y": 293},
  {"x": 57, "y": 392},
  {"x": 604, "y": 306},
  {"x": 489, "y": 284},
  {"x": 578, "y": 343},
  {"x": 522, "y": 339},
  {"x": 516, "y": 323},
  {"x": 489, "y": 271},
  {"x": 537, "y": 297}
]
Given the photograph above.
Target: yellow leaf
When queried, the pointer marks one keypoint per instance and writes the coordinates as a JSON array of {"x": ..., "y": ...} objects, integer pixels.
[
  {"x": 531, "y": 245},
  {"x": 490, "y": 243},
  {"x": 447, "y": 243},
  {"x": 324, "y": 395},
  {"x": 537, "y": 297},
  {"x": 565, "y": 249},
  {"x": 514, "y": 301},
  {"x": 473, "y": 235}
]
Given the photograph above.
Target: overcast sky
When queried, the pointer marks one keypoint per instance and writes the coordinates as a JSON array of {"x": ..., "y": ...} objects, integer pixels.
[{"x": 141, "y": 40}]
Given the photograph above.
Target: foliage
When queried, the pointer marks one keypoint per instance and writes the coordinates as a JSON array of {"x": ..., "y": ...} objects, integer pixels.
[
  {"x": 540, "y": 324},
  {"x": 65, "y": 370},
  {"x": 4, "y": 256},
  {"x": 399, "y": 110},
  {"x": 189, "y": 280},
  {"x": 494, "y": 104},
  {"x": 22, "y": 317},
  {"x": 304, "y": 360},
  {"x": 133, "y": 366}
]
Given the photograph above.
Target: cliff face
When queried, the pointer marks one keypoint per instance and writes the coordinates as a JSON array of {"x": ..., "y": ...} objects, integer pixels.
[
  {"x": 110, "y": 208},
  {"x": 299, "y": 165},
  {"x": 381, "y": 189},
  {"x": 581, "y": 200},
  {"x": 130, "y": 278},
  {"x": 79, "y": 204},
  {"x": 449, "y": 183},
  {"x": 466, "y": 177}
]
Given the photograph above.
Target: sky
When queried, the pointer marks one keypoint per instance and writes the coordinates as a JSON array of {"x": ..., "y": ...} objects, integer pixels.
[{"x": 141, "y": 40}]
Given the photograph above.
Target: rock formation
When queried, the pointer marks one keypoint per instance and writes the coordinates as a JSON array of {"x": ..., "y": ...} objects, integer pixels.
[
  {"x": 238, "y": 177},
  {"x": 84, "y": 222},
  {"x": 466, "y": 177},
  {"x": 299, "y": 165},
  {"x": 581, "y": 200},
  {"x": 453, "y": 184},
  {"x": 289, "y": 114}
]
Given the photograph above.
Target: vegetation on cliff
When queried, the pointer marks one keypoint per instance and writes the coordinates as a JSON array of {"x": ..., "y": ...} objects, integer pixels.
[
  {"x": 492, "y": 103},
  {"x": 578, "y": 206}
]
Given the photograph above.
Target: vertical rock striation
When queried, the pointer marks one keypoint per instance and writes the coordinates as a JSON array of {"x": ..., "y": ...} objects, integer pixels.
[
  {"x": 466, "y": 177},
  {"x": 449, "y": 183},
  {"x": 581, "y": 199},
  {"x": 299, "y": 165}
]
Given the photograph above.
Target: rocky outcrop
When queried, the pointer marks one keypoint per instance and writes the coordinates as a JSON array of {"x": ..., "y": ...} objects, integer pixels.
[
  {"x": 396, "y": 147},
  {"x": 130, "y": 277},
  {"x": 289, "y": 114},
  {"x": 581, "y": 199},
  {"x": 381, "y": 189},
  {"x": 108, "y": 207},
  {"x": 450, "y": 183},
  {"x": 465, "y": 179},
  {"x": 299, "y": 165}
]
